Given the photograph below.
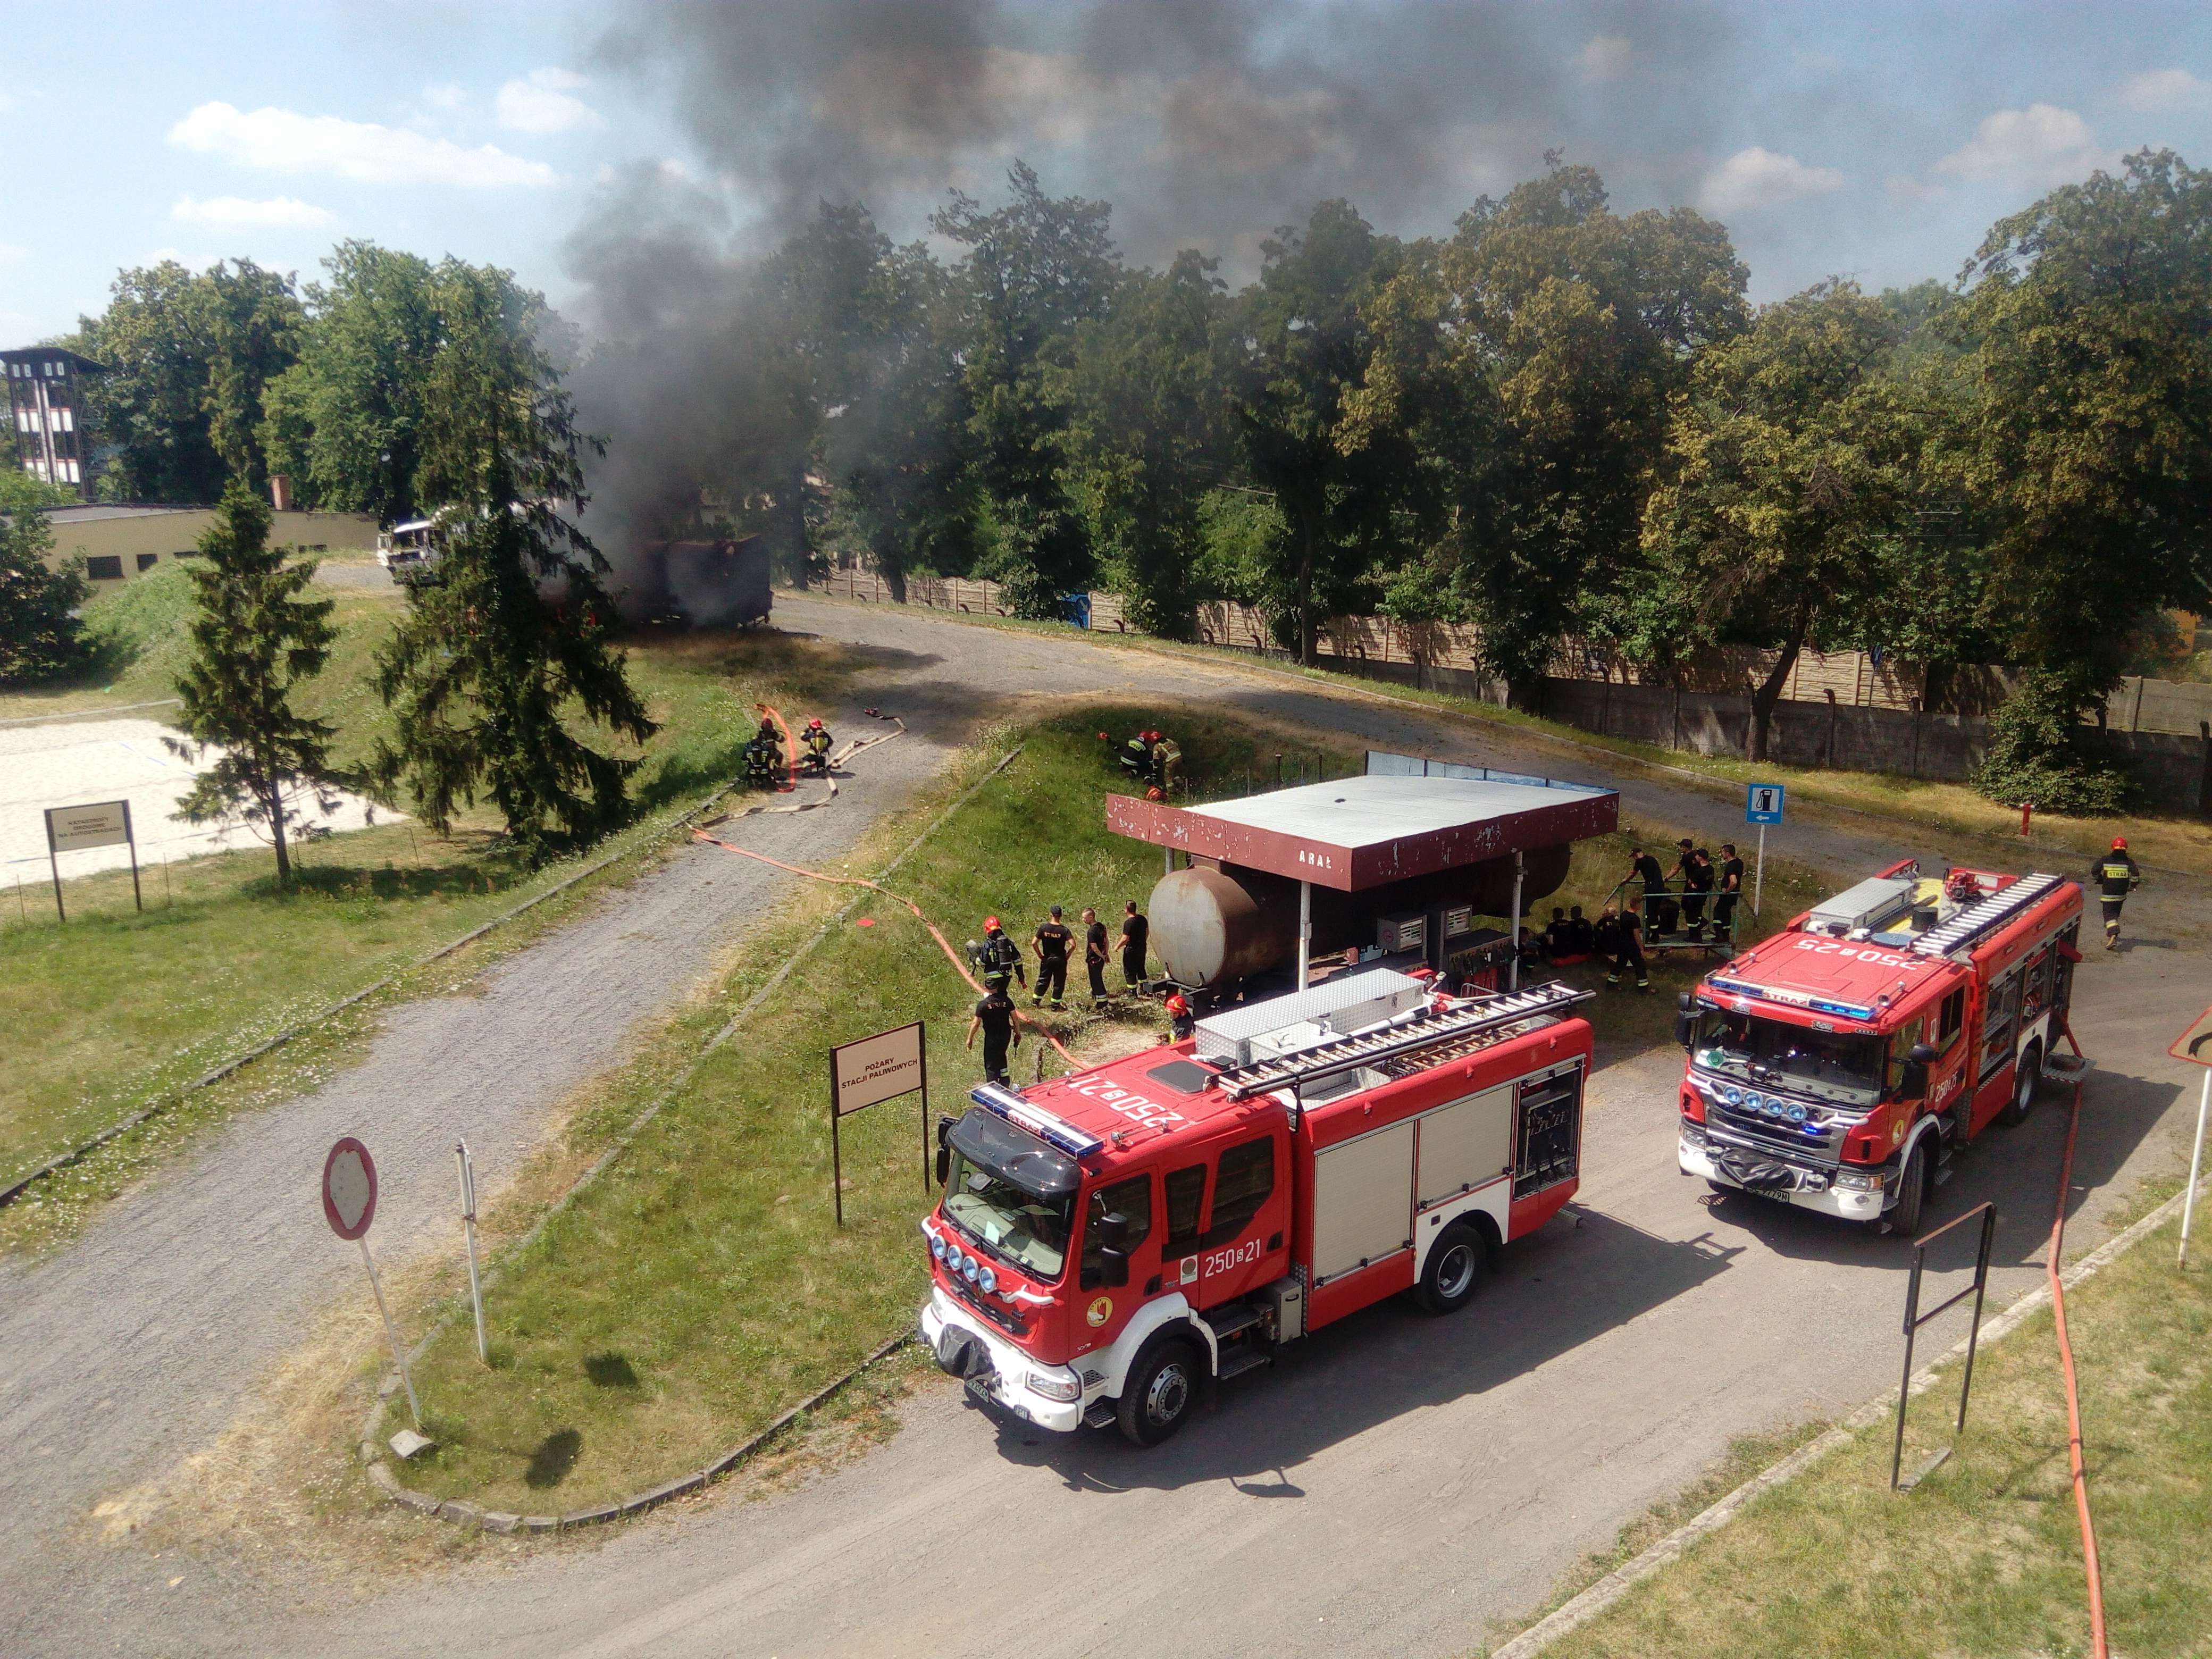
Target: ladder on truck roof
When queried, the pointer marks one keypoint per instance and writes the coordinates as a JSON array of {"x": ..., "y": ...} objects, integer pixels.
[
  {"x": 1423, "y": 1030},
  {"x": 1979, "y": 919}
]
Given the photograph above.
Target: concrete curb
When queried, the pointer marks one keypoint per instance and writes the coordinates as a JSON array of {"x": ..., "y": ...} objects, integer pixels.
[
  {"x": 371, "y": 1451},
  {"x": 1578, "y": 1612},
  {"x": 9, "y": 1195}
]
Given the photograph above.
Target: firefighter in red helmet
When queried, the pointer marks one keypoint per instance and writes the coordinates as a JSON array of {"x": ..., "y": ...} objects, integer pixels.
[{"x": 2116, "y": 875}]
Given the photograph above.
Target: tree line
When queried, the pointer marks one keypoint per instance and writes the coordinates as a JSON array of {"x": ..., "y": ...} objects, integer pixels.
[{"x": 1558, "y": 420}]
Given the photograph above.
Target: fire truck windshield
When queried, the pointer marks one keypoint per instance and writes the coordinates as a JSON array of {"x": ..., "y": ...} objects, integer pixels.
[
  {"x": 1826, "y": 1065},
  {"x": 1012, "y": 1192}
]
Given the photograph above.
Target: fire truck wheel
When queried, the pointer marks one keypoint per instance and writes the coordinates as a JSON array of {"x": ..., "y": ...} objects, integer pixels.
[
  {"x": 1911, "y": 1193},
  {"x": 1455, "y": 1271},
  {"x": 2023, "y": 1086},
  {"x": 1157, "y": 1397}
]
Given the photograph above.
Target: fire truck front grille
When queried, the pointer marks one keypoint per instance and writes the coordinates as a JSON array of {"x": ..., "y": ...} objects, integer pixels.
[
  {"x": 1824, "y": 1150},
  {"x": 1004, "y": 1319}
]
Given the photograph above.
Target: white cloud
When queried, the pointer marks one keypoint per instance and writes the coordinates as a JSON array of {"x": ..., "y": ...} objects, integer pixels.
[
  {"x": 545, "y": 102},
  {"x": 237, "y": 210},
  {"x": 11, "y": 255},
  {"x": 1605, "y": 56},
  {"x": 447, "y": 95},
  {"x": 2154, "y": 92},
  {"x": 2041, "y": 144},
  {"x": 1757, "y": 178},
  {"x": 285, "y": 141},
  {"x": 1904, "y": 187}
]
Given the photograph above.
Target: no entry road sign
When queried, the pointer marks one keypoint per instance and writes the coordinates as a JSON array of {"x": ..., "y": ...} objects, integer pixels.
[{"x": 349, "y": 1189}]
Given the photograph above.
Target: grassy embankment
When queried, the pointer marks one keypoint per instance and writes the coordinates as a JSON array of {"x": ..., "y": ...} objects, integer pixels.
[
  {"x": 2170, "y": 841},
  {"x": 102, "y": 1015},
  {"x": 1984, "y": 1557},
  {"x": 700, "y": 1287}
]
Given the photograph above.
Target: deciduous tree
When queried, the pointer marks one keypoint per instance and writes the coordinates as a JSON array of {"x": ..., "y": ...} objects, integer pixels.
[{"x": 40, "y": 634}]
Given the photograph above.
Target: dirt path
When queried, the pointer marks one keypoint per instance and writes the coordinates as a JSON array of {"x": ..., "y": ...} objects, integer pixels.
[{"x": 1445, "y": 1472}]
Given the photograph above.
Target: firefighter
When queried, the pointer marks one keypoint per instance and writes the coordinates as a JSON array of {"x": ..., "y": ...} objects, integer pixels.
[
  {"x": 994, "y": 1018},
  {"x": 1642, "y": 867},
  {"x": 1136, "y": 756},
  {"x": 2116, "y": 875},
  {"x": 763, "y": 762},
  {"x": 1051, "y": 942},
  {"x": 1180, "y": 1024},
  {"x": 1094, "y": 955},
  {"x": 815, "y": 747},
  {"x": 1698, "y": 874},
  {"x": 1632, "y": 952},
  {"x": 1136, "y": 933},
  {"x": 1731, "y": 873},
  {"x": 1166, "y": 756},
  {"x": 999, "y": 958}
]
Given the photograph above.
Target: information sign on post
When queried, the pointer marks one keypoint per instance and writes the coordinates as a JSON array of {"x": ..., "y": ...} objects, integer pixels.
[
  {"x": 76, "y": 829},
  {"x": 1762, "y": 805},
  {"x": 868, "y": 1072},
  {"x": 2195, "y": 1045}
]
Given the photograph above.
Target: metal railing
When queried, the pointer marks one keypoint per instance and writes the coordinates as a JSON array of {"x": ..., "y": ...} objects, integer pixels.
[{"x": 1914, "y": 1318}]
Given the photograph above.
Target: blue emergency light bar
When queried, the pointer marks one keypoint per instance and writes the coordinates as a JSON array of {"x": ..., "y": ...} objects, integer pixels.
[
  {"x": 1792, "y": 999},
  {"x": 1054, "y": 1132}
]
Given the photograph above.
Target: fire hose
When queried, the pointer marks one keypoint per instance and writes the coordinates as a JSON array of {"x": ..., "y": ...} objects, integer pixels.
[
  {"x": 841, "y": 757},
  {"x": 943, "y": 943},
  {"x": 2073, "y": 1393}
]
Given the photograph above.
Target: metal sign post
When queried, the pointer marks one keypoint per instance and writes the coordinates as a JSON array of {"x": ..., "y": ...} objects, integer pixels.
[
  {"x": 100, "y": 823},
  {"x": 468, "y": 1170},
  {"x": 2194, "y": 1045},
  {"x": 867, "y": 1072},
  {"x": 350, "y": 1205},
  {"x": 1762, "y": 805},
  {"x": 1914, "y": 1318}
]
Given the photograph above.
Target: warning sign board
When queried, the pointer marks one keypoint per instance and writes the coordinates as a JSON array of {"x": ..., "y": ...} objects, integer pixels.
[{"x": 2196, "y": 1043}]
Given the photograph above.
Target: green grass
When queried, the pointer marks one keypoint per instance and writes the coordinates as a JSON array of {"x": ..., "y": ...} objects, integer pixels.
[
  {"x": 1984, "y": 1557},
  {"x": 700, "y": 1286},
  {"x": 2172, "y": 840},
  {"x": 119, "y": 1007}
]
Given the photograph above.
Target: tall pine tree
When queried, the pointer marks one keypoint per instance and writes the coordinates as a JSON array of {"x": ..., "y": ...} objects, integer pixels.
[
  {"x": 254, "y": 640},
  {"x": 512, "y": 636}
]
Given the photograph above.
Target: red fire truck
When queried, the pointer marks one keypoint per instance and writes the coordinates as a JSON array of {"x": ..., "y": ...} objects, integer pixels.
[
  {"x": 1111, "y": 1243},
  {"x": 1844, "y": 1063}
]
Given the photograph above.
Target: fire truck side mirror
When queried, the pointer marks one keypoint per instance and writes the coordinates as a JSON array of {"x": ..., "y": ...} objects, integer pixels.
[
  {"x": 1686, "y": 1017},
  {"x": 1114, "y": 1247},
  {"x": 943, "y": 1149}
]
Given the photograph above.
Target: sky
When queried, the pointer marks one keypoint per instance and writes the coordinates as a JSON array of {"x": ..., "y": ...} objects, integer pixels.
[{"x": 1873, "y": 141}]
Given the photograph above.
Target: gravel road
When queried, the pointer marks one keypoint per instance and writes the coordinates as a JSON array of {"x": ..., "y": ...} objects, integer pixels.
[{"x": 1392, "y": 1489}]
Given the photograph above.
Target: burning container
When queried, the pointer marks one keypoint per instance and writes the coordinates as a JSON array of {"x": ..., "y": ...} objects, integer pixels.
[
  {"x": 702, "y": 584},
  {"x": 1403, "y": 857}
]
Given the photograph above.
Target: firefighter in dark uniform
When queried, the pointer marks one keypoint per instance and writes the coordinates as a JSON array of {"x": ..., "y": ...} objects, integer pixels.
[
  {"x": 1697, "y": 881},
  {"x": 994, "y": 1018},
  {"x": 1094, "y": 955},
  {"x": 761, "y": 763},
  {"x": 1000, "y": 959},
  {"x": 1180, "y": 1022},
  {"x": 1136, "y": 935},
  {"x": 1631, "y": 952},
  {"x": 1137, "y": 756},
  {"x": 1731, "y": 869},
  {"x": 2115, "y": 876},
  {"x": 1052, "y": 941},
  {"x": 1657, "y": 904}
]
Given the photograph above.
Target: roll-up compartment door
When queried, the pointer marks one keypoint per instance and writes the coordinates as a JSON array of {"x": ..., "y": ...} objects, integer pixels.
[
  {"x": 1466, "y": 1143},
  {"x": 1363, "y": 1201}
]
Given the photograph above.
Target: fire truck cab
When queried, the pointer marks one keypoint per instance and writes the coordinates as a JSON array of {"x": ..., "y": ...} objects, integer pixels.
[
  {"x": 1111, "y": 1243},
  {"x": 1841, "y": 1064}
]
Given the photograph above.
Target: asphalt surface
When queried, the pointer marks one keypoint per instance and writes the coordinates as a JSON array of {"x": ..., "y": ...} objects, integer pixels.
[{"x": 1392, "y": 1488}]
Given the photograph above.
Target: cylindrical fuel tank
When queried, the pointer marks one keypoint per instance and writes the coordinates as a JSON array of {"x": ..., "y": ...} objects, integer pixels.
[{"x": 1213, "y": 925}]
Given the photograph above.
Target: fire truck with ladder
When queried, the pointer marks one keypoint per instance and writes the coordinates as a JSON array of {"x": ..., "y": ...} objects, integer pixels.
[
  {"x": 1843, "y": 1064},
  {"x": 1112, "y": 1243}
]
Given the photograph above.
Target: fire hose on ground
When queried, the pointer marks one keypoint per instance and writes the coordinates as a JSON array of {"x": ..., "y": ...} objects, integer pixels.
[{"x": 943, "y": 943}]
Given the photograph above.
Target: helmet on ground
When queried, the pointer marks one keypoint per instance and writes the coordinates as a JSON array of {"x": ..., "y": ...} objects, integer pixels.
[
  {"x": 1153, "y": 793},
  {"x": 2119, "y": 843}
]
